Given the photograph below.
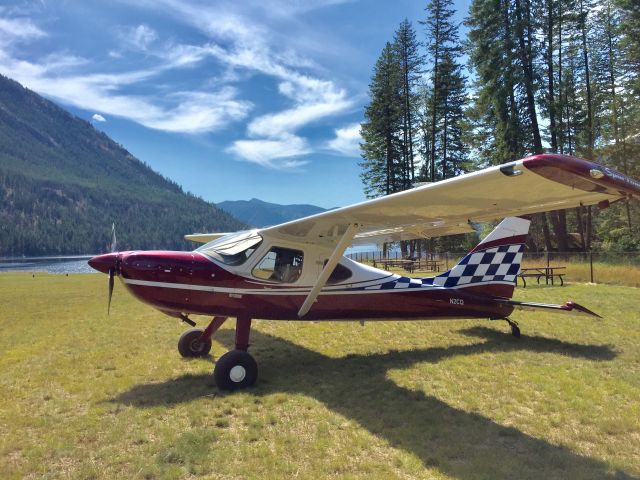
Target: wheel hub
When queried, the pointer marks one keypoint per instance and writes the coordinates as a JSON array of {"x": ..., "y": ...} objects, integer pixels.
[{"x": 237, "y": 373}]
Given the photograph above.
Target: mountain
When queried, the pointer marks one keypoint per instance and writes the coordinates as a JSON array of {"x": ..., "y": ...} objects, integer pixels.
[
  {"x": 262, "y": 214},
  {"x": 63, "y": 183}
]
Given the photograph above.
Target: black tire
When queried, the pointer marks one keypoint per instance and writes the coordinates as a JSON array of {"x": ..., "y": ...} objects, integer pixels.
[
  {"x": 190, "y": 346},
  {"x": 234, "y": 370}
]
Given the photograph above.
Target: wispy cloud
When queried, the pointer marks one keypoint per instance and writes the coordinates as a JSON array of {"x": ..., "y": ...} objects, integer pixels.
[
  {"x": 280, "y": 153},
  {"x": 241, "y": 42},
  {"x": 347, "y": 141},
  {"x": 53, "y": 75},
  {"x": 98, "y": 118},
  {"x": 18, "y": 29},
  {"x": 314, "y": 99},
  {"x": 239, "y": 39},
  {"x": 141, "y": 37},
  {"x": 187, "y": 111}
]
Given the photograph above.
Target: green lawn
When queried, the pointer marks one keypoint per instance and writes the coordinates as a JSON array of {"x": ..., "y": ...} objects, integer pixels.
[{"x": 90, "y": 396}]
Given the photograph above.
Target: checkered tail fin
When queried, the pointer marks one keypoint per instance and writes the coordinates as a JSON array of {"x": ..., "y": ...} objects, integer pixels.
[{"x": 492, "y": 266}]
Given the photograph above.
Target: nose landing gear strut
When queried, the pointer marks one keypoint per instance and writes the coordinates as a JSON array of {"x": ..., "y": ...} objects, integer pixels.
[{"x": 235, "y": 369}]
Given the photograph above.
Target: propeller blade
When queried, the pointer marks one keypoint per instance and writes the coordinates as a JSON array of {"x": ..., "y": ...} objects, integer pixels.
[
  {"x": 114, "y": 243},
  {"x": 112, "y": 272}
]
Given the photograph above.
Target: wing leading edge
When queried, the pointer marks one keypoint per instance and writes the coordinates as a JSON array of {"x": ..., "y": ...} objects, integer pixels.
[{"x": 535, "y": 184}]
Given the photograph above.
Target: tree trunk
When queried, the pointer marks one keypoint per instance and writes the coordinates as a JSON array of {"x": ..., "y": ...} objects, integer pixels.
[{"x": 583, "y": 242}]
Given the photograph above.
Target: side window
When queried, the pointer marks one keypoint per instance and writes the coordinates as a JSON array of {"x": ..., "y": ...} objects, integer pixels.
[
  {"x": 339, "y": 274},
  {"x": 280, "y": 265}
]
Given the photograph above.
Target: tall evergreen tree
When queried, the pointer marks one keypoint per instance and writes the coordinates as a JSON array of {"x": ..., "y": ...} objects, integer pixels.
[
  {"x": 447, "y": 94},
  {"x": 407, "y": 51},
  {"x": 498, "y": 102},
  {"x": 382, "y": 148}
]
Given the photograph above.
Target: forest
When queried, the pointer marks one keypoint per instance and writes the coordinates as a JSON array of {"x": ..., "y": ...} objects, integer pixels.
[{"x": 518, "y": 77}]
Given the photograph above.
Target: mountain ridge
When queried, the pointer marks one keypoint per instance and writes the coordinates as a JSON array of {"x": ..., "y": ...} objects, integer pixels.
[
  {"x": 258, "y": 213},
  {"x": 63, "y": 183}
]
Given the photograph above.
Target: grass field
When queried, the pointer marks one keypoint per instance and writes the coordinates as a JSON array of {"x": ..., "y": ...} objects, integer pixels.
[{"x": 90, "y": 396}]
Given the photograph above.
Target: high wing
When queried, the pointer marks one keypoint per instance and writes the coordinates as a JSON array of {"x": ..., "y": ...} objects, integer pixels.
[{"x": 535, "y": 184}]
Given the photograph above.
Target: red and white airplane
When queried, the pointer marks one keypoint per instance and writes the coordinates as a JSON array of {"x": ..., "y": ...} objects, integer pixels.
[{"x": 297, "y": 271}]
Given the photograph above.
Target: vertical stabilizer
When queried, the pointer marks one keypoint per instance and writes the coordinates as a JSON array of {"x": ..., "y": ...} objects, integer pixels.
[{"x": 491, "y": 267}]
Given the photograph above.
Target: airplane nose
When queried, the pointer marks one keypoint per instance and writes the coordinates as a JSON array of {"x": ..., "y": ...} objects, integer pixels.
[{"x": 103, "y": 263}]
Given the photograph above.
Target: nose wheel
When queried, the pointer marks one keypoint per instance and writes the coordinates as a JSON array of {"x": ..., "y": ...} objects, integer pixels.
[
  {"x": 196, "y": 342},
  {"x": 191, "y": 344}
]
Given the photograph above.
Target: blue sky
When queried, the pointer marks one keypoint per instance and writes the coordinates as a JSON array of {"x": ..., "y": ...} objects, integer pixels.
[{"x": 231, "y": 99}]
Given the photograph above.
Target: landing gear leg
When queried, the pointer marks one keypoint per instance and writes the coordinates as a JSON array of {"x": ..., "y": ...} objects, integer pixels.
[
  {"x": 237, "y": 369},
  {"x": 212, "y": 328},
  {"x": 515, "y": 330}
]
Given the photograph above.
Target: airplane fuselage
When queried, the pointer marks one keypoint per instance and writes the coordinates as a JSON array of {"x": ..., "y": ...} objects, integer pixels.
[{"x": 192, "y": 283}]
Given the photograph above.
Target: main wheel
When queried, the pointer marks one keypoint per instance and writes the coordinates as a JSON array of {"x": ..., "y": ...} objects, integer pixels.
[
  {"x": 191, "y": 346},
  {"x": 235, "y": 369}
]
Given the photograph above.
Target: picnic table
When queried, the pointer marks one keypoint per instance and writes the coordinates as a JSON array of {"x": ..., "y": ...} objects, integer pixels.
[
  {"x": 409, "y": 264},
  {"x": 549, "y": 273},
  {"x": 428, "y": 264}
]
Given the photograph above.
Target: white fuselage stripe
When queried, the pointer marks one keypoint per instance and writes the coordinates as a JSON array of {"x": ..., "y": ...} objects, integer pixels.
[{"x": 293, "y": 291}]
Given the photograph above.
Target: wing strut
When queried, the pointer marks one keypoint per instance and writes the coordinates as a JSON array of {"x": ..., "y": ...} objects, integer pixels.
[{"x": 342, "y": 245}]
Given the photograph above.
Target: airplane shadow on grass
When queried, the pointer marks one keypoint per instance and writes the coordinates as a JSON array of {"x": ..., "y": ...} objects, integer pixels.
[{"x": 458, "y": 443}]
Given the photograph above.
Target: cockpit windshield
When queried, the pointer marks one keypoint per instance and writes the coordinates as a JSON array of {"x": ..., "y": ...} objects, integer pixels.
[{"x": 232, "y": 249}]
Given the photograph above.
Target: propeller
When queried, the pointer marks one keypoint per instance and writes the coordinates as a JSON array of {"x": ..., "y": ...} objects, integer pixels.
[
  {"x": 112, "y": 272},
  {"x": 108, "y": 263}
]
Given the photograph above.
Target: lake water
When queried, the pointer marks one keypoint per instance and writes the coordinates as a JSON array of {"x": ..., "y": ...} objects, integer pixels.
[
  {"x": 75, "y": 264},
  {"x": 78, "y": 263}
]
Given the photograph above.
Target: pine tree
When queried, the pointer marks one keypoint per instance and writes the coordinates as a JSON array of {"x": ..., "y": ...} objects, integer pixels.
[
  {"x": 499, "y": 134},
  {"x": 406, "y": 48},
  {"x": 447, "y": 93},
  {"x": 382, "y": 149}
]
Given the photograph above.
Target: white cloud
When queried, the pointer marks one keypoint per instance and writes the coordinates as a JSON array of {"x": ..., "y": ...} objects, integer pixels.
[
  {"x": 272, "y": 153},
  {"x": 188, "y": 112},
  {"x": 201, "y": 112},
  {"x": 244, "y": 39},
  {"x": 142, "y": 36},
  {"x": 250, "y": 46},
  {"x": 16, "y": 29},
  {"x": 347, "y": 140},
  {"x": 314, "y": 99},
  {"x": 98, "y": 118}
]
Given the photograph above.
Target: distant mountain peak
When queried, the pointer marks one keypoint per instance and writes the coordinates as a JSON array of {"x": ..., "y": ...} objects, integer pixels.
[{"x": 259, "y": 213}]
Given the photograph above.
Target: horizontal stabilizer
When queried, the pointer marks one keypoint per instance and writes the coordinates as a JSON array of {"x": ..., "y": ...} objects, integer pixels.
[{"x": 569, "y": 307}]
